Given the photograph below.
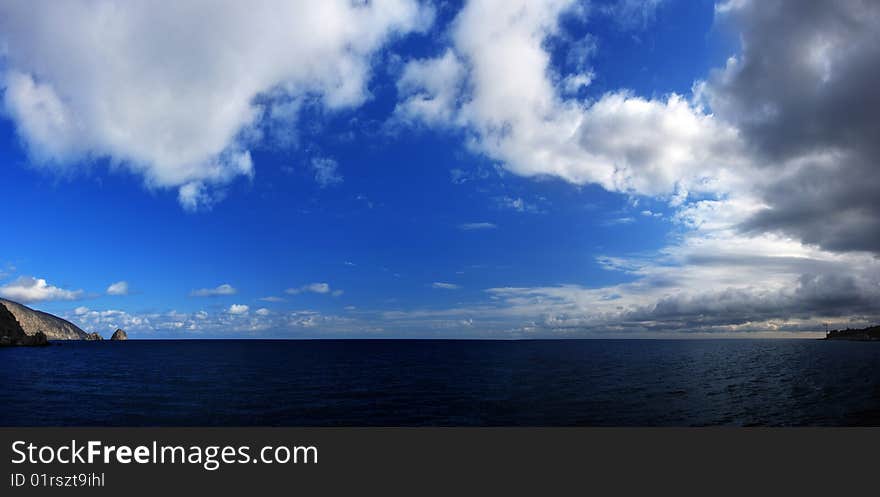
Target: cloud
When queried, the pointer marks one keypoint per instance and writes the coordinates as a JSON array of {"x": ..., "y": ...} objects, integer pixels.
[
  {"x": 431, "y": 89},
  {"x": 631, "y": 14},
  {"x": 29, "y": 289},
  {"x": 238, "y": 309},
  {"x": 231, "y": 321},
  {"x": 477, "y": 226},
  {"x": 118, "y": 288},
  {"x": 224, "y": 289},
  {"x": 272, "y": 298},
  {"x": 513, "y": 111},
  {"x": 768, "y": 168},
  {"x": 616, "y": 221},
  {"x": 319, "y": 288},
  {"x": 7, "y": 271},
  {"x": 803, "y": 94},
  {"x": 517, "y": 204},
  {"x": 110, "y": 320},
  {"x": 179, "y": 93},
  {"x": 444, "y": 286},
  {"x": 326, "y": 171}
]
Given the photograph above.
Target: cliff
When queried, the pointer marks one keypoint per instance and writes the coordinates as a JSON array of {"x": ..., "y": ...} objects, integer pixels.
[
  {"x": 119, "y": 334},
  {"x": 32, "y": 321},
  {"x": 11, "y": 332}
]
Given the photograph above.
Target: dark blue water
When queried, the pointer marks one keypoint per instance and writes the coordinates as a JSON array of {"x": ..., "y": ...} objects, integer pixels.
[{"x": 406, "y": 383}]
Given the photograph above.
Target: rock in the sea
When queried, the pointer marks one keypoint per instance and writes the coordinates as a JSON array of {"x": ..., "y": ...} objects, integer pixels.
[
  {"x": 119, "y": 334},
  {"x": 94, "y": 336},
  {"x": 32, "y": 321}
]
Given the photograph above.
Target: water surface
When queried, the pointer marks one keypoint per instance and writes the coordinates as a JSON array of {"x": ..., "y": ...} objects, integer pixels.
[{"x": 443, "y": 382}]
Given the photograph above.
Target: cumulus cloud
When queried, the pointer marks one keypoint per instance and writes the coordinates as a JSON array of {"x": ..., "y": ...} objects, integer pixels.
[
  {"x": 238, "y": 309},
  {"x": 432, "y": 88},
  {"x": 118, "y": 288},
  {"x": 224, "y": 289},
  {"x": 29, "y": 289},
  {"x": 178, "y": 93},
  {"x": 110, "y": 320},
  {"x": 515, "y": 113}
]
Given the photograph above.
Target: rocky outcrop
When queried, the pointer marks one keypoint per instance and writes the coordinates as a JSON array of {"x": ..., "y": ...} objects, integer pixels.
[
  {"x": 32, "y": 322},
  {"x": 93, "y": 336},
  {"x": 11, "y": 332},
  {"x": 37, "y": 339},
  {"x": 119, "y": 334},
  {"x": 870, "y": 334}
]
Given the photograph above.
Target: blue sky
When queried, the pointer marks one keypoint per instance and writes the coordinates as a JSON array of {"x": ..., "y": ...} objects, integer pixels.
[{"x": 406, "y": 171}]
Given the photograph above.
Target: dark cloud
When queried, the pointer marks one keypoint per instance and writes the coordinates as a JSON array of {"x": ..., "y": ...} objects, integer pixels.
[
  {"x": 836, "y": 207},
  {"x": 803, "y": 93},
  {"x": 815, "y": 296}
]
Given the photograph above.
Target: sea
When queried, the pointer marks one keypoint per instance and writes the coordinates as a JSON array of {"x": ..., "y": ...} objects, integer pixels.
[{"x": 442, "y": 383}]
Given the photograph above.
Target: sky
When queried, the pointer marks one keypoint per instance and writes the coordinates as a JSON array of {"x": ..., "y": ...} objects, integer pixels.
[{"x": 416, "y": 169}]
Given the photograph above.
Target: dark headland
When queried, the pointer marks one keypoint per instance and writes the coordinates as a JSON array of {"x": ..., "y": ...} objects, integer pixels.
[
  {"x": 21, "y": 325},
  {"x": 869, "y": 334}
]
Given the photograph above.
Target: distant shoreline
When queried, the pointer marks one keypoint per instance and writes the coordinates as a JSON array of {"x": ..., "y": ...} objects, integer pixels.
[{"x": 870, "y": 334}]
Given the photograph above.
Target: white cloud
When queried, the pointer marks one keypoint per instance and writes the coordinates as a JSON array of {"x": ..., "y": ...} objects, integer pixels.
[
  {"x": 320, "y": 288},
  {"x": 615, "y": 221},
  {"x": 224, "y": 289},
  {"x": 170, "y": 91},
  {"x": 29, "y": 289},
  {"x": 326, "y": 171},
  {"x": 444, "y": 286},
  {"x": 272, "y": 298},
  {"x": 631, "y": 14},
  {"x": 118, "y": 288},
  {"x": 238, "y": 309},
  {"x": 431, "y": 89},
  {"x": 513, "y": 111},
  {"x": 231, "y": 321},
  {"x": 517, "y": 204},
  {"x": 477, "y": 226},
  {"x": 574, "y": 82},
  {"x": 111, "y": 319}
]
